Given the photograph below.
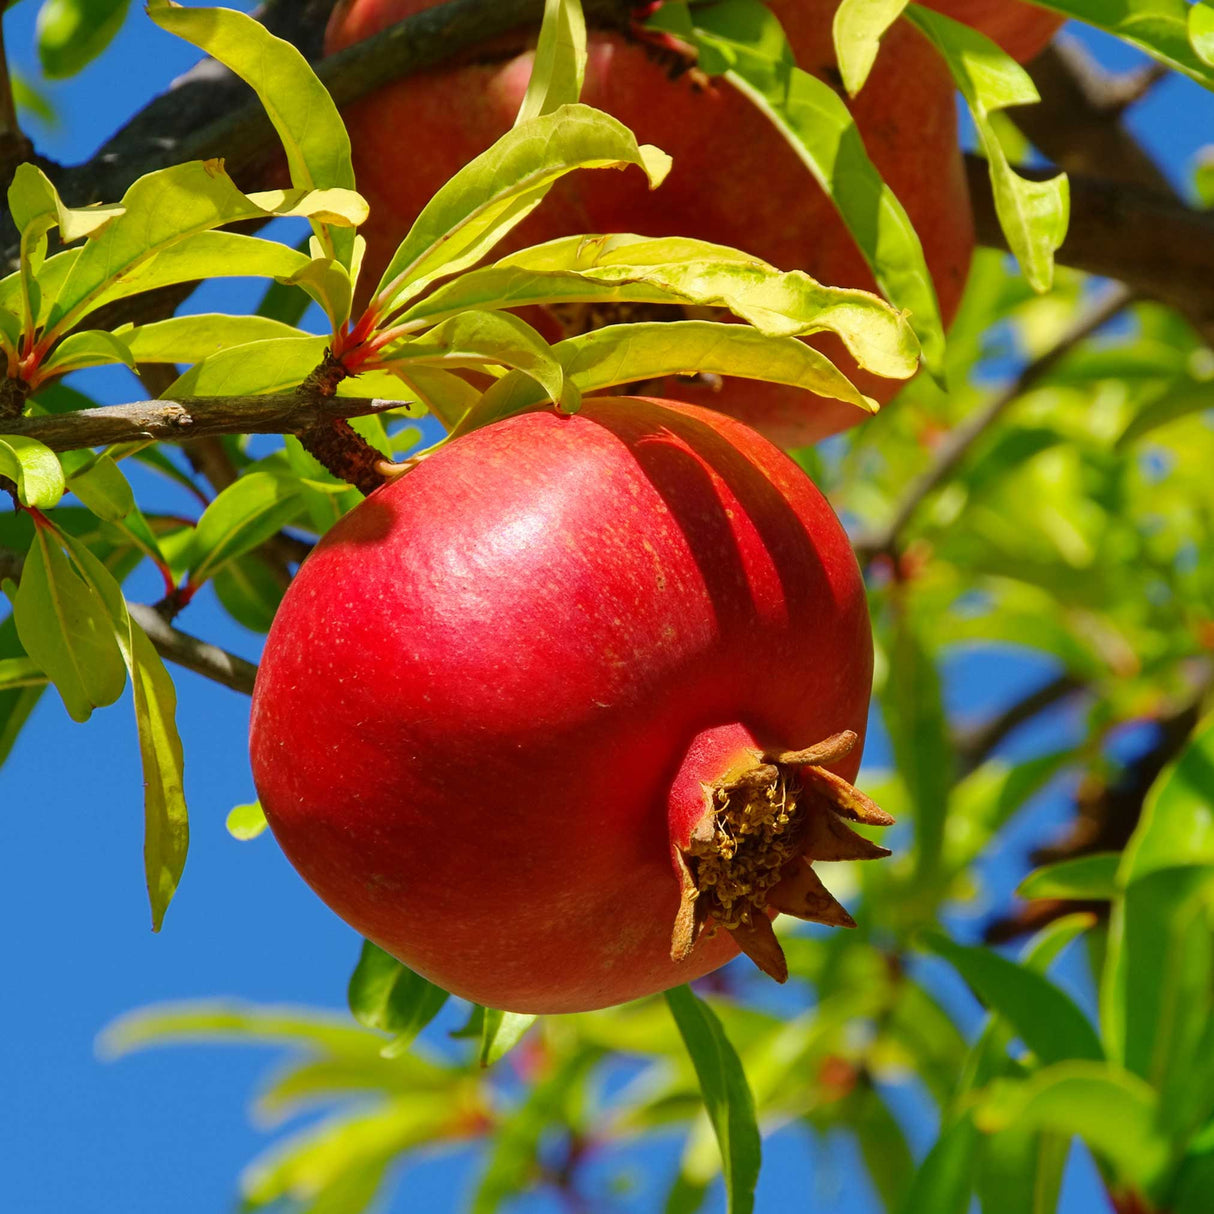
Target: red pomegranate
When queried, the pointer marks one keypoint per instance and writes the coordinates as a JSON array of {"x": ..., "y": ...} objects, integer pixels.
[
  {"x": 560, "y": 717},
  {"x": 1023, "y": 30},
  {"x": 735, "y": 180}
]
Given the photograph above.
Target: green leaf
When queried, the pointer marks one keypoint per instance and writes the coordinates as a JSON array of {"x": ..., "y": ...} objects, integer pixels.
[
  {"x": 244, "y": 515},
  {"x": 1177, "y": 822},
  {"x": 162, "y": 209},
  {"x": 72, "y": 33},
  {"x": 1032, "y": 214},
  {"x": 1201, "y": 32},
  {"x": 913, "y": 706},
  {"x": 250, "y": 590},
  {"x": 66, "y": 629},
  {"x": 386, "y": 995},
  {"x": 34, "y": 468},
  {"x": 727, "y": 1097},
  {"x": 858, "y": 27},
  {"x": 37, "y": 208},
  {"x": 501, "y": 1032},
  {"x": 16, "y": 702},
  {"x": 1159, "y": 27},
  {"x": 1020, "y": 1171},
  {"x": 1165, "y": 972},
  {"x": 87, "y": 348},
  {"x": 1043, "y": 1016},
  {"x": 101, "y": 486},
  {"x": 945, "y": 1178},
  {"x": 743, "y": 40},
  {"x": 20, "y": 672},
  {"x": 190, "y": 339},
  {"x": 625, "y": 354},
  {"x": 328, "y": 282},
  {"x": 1162, "y": 410},
  {"x": 299, "y": 106},
  {"x": 677, "y": 270},
  {"x": 500, "y": 188},
  {"x": 246, "y": 822},
  {"x": 1085, "y": 877},
  {"x": 477, "y": 339},
  {"x": 166, "y": 832},
  {"x": 560, "y": 61},
  {"x": 1114, "y": 1112}
]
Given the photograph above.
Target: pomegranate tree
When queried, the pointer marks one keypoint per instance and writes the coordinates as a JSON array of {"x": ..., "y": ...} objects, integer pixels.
[
  {"x": 562, "y": 716},
  {"x": 735, "y": 180}
]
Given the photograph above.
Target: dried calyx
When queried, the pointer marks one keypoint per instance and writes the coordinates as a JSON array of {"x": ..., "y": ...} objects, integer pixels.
[{"x": 752, "y": 852}]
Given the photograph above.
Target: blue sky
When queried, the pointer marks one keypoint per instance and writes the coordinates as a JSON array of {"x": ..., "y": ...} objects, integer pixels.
[{"x": 169, "y": 1129}]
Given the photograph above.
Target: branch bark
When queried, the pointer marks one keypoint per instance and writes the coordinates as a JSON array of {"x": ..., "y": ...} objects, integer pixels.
[
  {"x": 192, "y": 417},
  {"x": 188, "y": 651}
]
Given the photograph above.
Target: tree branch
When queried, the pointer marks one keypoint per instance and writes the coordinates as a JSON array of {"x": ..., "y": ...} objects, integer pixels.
[
  {"x": 171, "y": 643},
  {"x": 192, "y": 417},
  {"x": 956, "y": 445},
  {"x": 199, "y": 656},
  {"x": 975, "y": 745}
]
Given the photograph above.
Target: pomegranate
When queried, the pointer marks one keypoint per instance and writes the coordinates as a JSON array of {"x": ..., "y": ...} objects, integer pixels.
[
  {"x": 560, "y": 717},
  {"x": 1023, "y": 30},
  {"x": 735, "y": 180}
]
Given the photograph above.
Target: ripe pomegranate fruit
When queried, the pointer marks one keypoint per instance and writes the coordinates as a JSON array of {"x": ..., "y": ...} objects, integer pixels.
[
  {"x": 735, "y": 180},
  {"x": 1023, "y": 30},
  {"x": 560, "y": 717}
]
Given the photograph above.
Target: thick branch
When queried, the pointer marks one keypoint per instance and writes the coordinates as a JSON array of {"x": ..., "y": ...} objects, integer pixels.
[
  {"x": 192, "y": 417},
  {"x": 202, "y": 658},
  {"x": 1154, "y": 244},
  {"x": 956, "y": 445}
]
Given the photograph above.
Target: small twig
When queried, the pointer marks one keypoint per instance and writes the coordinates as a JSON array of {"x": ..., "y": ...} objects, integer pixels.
[
  {"x": 974, "y": 746},
  {"x": 191, "y": 417},
  {"x": 956, "y": 445}
]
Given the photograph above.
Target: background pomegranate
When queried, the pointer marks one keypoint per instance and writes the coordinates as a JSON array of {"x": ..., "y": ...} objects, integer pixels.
[
  {"x": 492, "y": 697},
  {"x": 1021, "y": 29},
  {"x": 735, "y": 181}
]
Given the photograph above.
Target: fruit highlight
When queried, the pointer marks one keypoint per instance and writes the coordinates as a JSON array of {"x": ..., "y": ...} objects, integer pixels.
[{"x": 563, "y": 716}]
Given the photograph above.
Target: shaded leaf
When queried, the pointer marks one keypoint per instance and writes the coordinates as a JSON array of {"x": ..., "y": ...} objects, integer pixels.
[
  {"x": 1043, "y": 1016},
  {"x": 72, "y": 33},
  {"x": 1084, "y": 877},
  {"x": 386, "y": 995},
  {"x": 727, "y": 1097}
]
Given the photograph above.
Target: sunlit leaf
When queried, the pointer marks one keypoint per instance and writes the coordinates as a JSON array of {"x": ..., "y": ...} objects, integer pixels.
[
  {"x": 299, "y": 106},
  {"x": 742, "y": 40},
  {"x": 1077, "y": 1098},
  {"x": 190, "y": 339},
  {"x": 501, "y": 187},
  {"x": 560, "y": 60},
  {"x": 34, "y": 468},
  {"x": 1033, "y": 214},
  {"x": 625, "y": 354},
  {"x": 246, "y": 822},
  {"x": 66, "y": 629},
  {"x": 500, "y": 1033},
  {"x": 858, "y": 27}
]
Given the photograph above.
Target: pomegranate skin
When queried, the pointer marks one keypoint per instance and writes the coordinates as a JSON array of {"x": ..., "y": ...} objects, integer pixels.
[
  {"x": 734, "y": 181},
  {"x": 1023, "y": 30},
  {"x": 487, "y": 684}
]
